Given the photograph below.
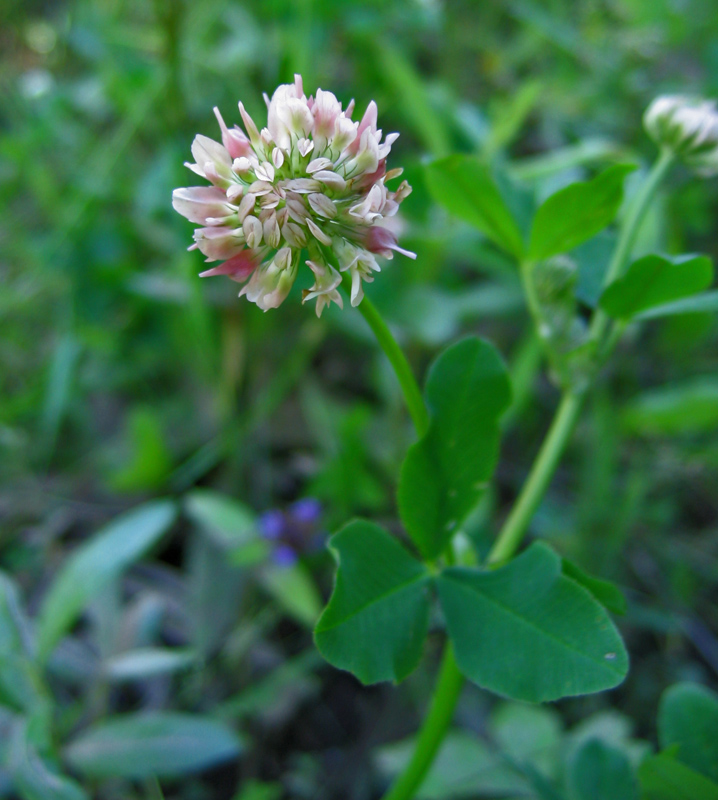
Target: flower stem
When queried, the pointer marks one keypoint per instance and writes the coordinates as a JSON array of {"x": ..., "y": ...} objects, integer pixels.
[
  {"x": 450, "y": 680},
  {"x": 409, "y": 386},
  {"x": 627, "y": 239},
  {"x": 441, "y": 712}
]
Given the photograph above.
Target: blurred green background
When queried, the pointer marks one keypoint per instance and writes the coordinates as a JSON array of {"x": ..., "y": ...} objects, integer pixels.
[{"x": 124, "y": 378}]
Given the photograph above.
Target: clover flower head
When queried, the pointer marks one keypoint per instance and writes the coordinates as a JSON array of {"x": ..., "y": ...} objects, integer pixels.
[
  {"x": 688, "y": 126},
  {"x": 312, "y": 182}
]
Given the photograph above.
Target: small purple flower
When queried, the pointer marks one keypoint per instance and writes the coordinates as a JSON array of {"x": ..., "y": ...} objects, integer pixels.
[
  {"x": 306, "y": 511},
  {"x": 272, "y": 525},
  {"x": 284, "y": 556}
]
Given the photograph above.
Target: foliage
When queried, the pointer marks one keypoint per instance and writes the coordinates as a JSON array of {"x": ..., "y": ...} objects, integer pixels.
[{"x": 155, "y": 635}]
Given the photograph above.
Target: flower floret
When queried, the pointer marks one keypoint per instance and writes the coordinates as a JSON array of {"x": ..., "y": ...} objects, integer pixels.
[{"x": 312, "y": 183}]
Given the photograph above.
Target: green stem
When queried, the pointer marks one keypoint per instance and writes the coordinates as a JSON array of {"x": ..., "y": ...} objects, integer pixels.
[
  {"x": 627, "y": 239},
  {"x": 538, "y": 479},
  {"x": 409, "y": 386},
  {"x": 441, "y": 712},
  {"x": 448, "y": 687}
]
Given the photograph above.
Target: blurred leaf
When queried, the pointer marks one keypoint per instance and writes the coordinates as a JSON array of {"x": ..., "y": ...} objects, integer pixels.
[
  {"x": 57, "y": 396},
  {"x": 215, "y": 587},
  {"x": 598, "y": 771},
  {"x": 655, "y": 280},
  {"x": 593, "y": 258},
  {"x": 293, "y": 676},
  {"x": 446, "y": 472},
  {"x": 230, "y": 523},
  {"x": 688, "y": 718},
  {"x": 94, "y": 564},
  {"x": 607, "y": 593},
  {"x": 557, "y": 639},
  {"x": 577, "y": 213},
  {"x": 259, "y": 790},
  {"x": 378, "y": 615},
  {"x": 151, "y": 460},
  {"x": 688, "y": 407},
  {"x": 510, "y": 113},
  {"x": 528, "y": 735},
  {"x": 155, "y": 744},
  {"x": 146, "y": 662},
  {"x": 664, "y": 778},
  {"x": 464, "y": 186},
  {"x": 464, "y": 767},
  {"x": 706, "y": 303},
  {"x": 34, "y": 778},
  {"x": 294, "y": 590}
]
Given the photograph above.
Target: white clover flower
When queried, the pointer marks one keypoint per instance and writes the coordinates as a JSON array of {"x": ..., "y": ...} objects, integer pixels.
[
  {"x": 313, "y": 182},
  {"x": 687, "y": 126}
]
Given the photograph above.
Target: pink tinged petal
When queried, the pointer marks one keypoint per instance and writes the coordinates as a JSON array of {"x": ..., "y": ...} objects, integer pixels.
[
  {"x": 235, "y": 191},
  {"x": 205, "y": 149},
  {"x": 272, "y": 234},
  {"x": 219, "y": 243},
  {"x": 303, "y": 185},
  {"x": 252, "y": 228},
  {"x": 258, "y": 188},
  {"x": 277, "y": 158},
  {"x": 382, "y": 241},
  {"x": 249, "y": 125},
  {"x": 350, "y": 108},
  {"x": 234, "y": 140},
  {"x": 326, "y": 109},
  {"x": 294, "y": 235},
  {"x": 266, "y": 137},
  {"x": 298, "y": 88},
  {"x": 199, "y": 202},
  {"x": 305, "y": 147},
  {"x": 368, "y": 123},
  {"x": 246, "y": 206},
  {"x": 195, "y": 168},
  {"x": 270, "y": 200},
  {"x": 297, "y": 210},
  {"x": 238, "y": 268},
  {"x": 241, "y": 165},
  {"x": 318, "y": 232},
  {"x": 322, "y": 205},
  {"x": 331, "y": 179},
  {"x": 265, "y": 171},
  {"x": 318, "y": 164},
  {"x": 345, "y": 132}
]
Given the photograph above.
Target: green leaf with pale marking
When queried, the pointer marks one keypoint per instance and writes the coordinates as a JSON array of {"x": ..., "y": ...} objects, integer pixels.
[
  {"x": 528, "y": 632},
  {"x": 654, "y": 280},
  {"x": 96, "y": 563},
  {"x": 577, "y": 213},
  {"x": 598, "y": 771},
  {"x": 156, "y": 744},
  {"x": 688, "y": 718},
  {"x": 664, "y": 778},
  {"x": 704, "y": 303},
  {"x": 446, "y": 472},
  {"x": 464, "y": 186},
  {"x": 377, "y": 618}
]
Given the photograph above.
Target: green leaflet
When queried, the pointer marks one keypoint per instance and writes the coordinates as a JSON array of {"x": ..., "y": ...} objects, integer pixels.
[
  {"x": 528, "y": 632},
  {"x": 377, "y": 619},
  {"x": 445, "y": 473}
]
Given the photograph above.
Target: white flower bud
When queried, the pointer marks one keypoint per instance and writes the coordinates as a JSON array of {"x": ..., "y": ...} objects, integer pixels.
[{"x": 688, "y": 127}]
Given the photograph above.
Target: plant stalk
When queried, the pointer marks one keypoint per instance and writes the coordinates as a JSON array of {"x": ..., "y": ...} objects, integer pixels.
[{"x": 450, "y": 680}]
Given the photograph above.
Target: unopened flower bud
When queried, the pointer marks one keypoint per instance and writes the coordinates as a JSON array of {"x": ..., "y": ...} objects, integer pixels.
[{"x": 688, "y": 127}]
